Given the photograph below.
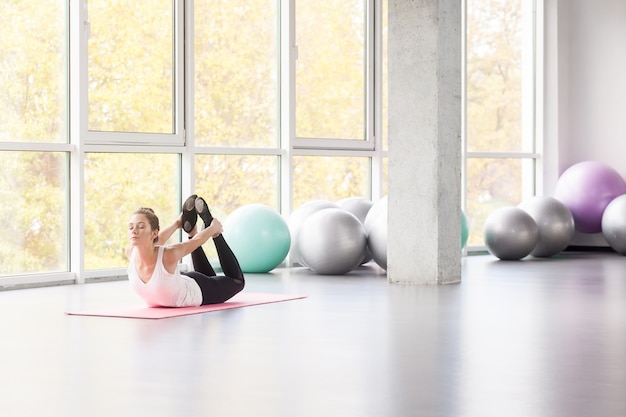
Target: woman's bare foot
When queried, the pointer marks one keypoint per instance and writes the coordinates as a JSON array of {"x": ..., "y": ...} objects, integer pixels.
[{"x": 219, "y": 229}]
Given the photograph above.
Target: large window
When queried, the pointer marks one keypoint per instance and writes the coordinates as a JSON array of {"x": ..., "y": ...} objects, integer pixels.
[
  {"x": 500, "y": 104},
  {"x": 117, "y": 184},
  {"x": 236, "y": 75},
  {"x": 33, "y": 76},
  {"x": 228, "y": 182},
  {"x": 131, "y": 62},
  {"x": 134, "y": 72},
  {"x": 262, "y": 101},
  {"x": 330, "y": 178},
  {"x": 34, "y": 161},
  {"x": 333, "y": 47},
  {"x": 33, "y": 212}
]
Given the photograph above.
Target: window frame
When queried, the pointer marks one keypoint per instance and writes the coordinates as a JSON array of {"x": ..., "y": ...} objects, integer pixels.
[
  {"x": 532, "y": 111},
  {"x": 371, "y": 69},
  {"x": 178, "y": 137},
  {"x": 81, "y": 141}
]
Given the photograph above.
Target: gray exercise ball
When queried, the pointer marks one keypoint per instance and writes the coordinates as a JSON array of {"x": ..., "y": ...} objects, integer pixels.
[
  {"x": 510, "y": 233},
  {"x": 376, "y": 230},
  {"x": 555, "y": 224},
  {"x": 358, "y": 206},
  {"x": 295, "y": 220},
  {"x": 332, "y": 241},
  {"x": 614, "y": 224}
]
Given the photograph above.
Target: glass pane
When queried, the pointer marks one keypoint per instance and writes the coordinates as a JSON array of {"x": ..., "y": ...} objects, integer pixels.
[
  {"x": 228, "y": 182},
  {"x": 236, "y": 73},
  {"x": 499, "y": 75},
  {"x": 330, "y": 70},
  {"x": 117, "y": 184},
  {"x": 494, "y": 183},
  {"x": 131, "y": 66},
  {"x": 33, "y": 82},
  {"x": 329, "y": 178},
  {"x": 33, "y": 212}
]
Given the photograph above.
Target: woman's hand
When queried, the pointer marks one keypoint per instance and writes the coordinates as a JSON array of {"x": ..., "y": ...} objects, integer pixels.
[
  {"x": 167, "y": 232},
  {"x": 179, "y": 222},
  {"x": 216, "y": 228},
  {"x": 175, "y": 252}
]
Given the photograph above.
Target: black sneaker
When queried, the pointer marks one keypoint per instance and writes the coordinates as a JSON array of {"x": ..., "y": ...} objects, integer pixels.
[
  {"x": 190, "y": 215},
  {"x": 203, "y": 211}
]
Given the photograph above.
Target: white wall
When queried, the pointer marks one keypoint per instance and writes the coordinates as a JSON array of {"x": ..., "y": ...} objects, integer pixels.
[{"x": 585, "y": 87}]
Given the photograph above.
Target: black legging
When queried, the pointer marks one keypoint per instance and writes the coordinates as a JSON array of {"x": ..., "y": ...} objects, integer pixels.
[{"x": 217, "y": 288}]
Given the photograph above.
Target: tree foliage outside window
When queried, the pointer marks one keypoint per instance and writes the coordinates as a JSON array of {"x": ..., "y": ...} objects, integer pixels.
[
  {"x": 329, "y": 178},
  {"x": 236, "y": 73},
  {"x": 32, "y": 72},
  {"x": 33, "y": 212},
  {"x": 494, "y": 75},
  {"x": 117, "y": 184},
  {"x": 33, "y": 184},
  {"x": 131, "y": 66},
  {"x": 330, "y": 70},
  {"x": 236, "y": 93},
  {"x": 228, "y": 182},
  {"x": 495, "y": 30}
]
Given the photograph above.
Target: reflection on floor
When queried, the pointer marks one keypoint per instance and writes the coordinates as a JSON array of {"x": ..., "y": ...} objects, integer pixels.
[{"x": 540, "y": 337}]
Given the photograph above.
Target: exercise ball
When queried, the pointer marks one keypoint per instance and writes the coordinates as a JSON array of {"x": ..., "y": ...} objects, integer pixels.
[
  {"x": 358, "y": 206},
  {"x": 464, "y": 229},
  {"x": 510, "y": 233},
  {"x": 555, "y": 224},
  {"x": 258, "y": 236},
  {"x": 297, "y": 217},
  {"x": 586, "y": 188},
  {"x": 376, "y": 230},
  {"x": 332, "y": 241},
  {"x": 614, "y": 224}
]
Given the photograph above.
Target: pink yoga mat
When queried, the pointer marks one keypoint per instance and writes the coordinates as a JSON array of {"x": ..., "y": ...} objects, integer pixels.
[{"x": 142, "y": 312}]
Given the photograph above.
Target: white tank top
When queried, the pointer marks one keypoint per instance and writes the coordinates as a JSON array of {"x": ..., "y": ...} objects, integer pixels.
[{"x": 164, "y": 289}]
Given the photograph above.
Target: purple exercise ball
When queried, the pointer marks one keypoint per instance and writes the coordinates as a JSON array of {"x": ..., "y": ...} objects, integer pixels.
[{"x": 586, "y": 189}]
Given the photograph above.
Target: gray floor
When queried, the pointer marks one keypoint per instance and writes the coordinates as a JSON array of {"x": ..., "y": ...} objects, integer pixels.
[{"x": 531, "y": 338}]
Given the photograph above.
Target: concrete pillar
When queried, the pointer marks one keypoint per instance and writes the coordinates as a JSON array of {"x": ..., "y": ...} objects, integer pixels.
[{"x": 424, "y": 197}]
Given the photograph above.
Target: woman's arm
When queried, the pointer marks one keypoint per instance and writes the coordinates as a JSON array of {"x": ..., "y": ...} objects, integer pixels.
[
  {"x": 167, "y": 232},
  {"x": 175, "y": 252}
]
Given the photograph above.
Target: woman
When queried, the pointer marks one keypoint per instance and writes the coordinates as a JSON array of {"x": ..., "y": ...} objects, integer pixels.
[{"x": 153, "y": 270}]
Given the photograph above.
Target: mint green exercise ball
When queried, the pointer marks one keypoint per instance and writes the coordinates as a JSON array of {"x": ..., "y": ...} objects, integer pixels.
[
  {"x": 258, "y": 236},
  {"x": 464, "y": 229}
]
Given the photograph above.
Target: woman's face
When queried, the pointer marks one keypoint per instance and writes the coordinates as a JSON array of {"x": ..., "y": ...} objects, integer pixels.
[{"x": 139, "y": 230}]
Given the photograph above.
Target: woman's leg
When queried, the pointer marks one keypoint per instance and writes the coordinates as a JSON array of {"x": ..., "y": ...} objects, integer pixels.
[
  {"x": 201, "y": 263},
  {"x": 216, "y": 289},
  {"x": 228, "y": 260}
]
